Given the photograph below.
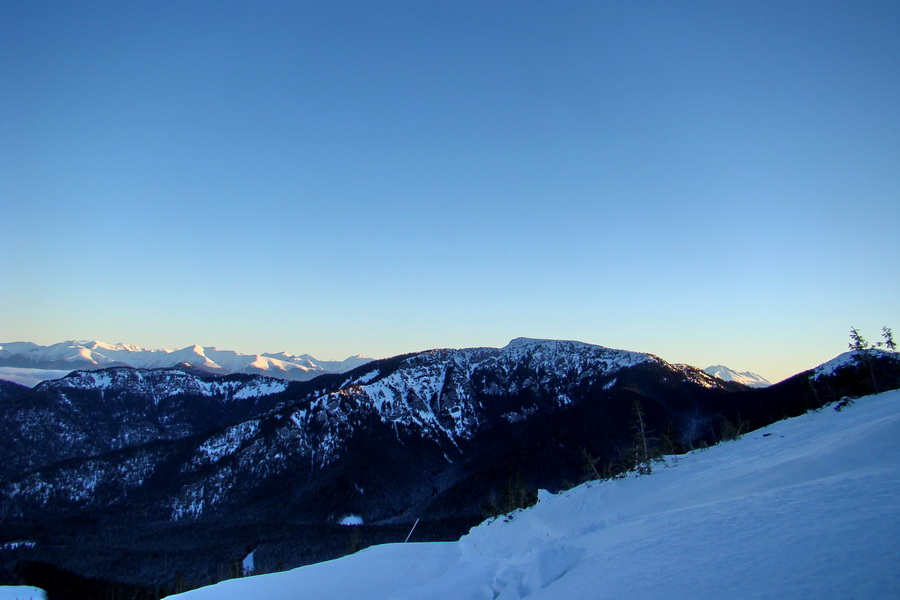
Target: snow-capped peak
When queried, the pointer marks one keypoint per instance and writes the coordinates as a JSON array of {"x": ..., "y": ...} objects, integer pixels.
[
  {"x": 94, "y": 354},
  {"x": 98, "y": 345},
  {"x": 747, "y": 378}
]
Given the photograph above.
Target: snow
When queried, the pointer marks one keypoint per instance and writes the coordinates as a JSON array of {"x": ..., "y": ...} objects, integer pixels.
[
  {"x": 747, "y": 378},
  {"x": 414, "y": 395},
  {"x": 21, "y": 592},
  {"x": 95, "y": 354},
  {"x": 17, "y": 545},
  {"x": 563, "y": 351},
  {"x": 805, "y": 508},
  {"x": 835, "y": 364},
  {"x": 266, "y": 388},
  {"x": 227, "y": 442},
  {"x": 846, "y": 359},
  {"x": 162, "y": 384},
  {"x": 247, "y": 565}
]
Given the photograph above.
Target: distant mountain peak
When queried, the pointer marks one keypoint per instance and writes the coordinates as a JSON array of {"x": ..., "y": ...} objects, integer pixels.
[
  {"x": 94, "y": 354},
  {"x": 747, "y": 378}
]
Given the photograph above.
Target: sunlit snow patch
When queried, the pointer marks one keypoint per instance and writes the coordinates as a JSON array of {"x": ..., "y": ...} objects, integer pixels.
[
  {"x": 247, "y": 565},
  {"x": 17, "y": 545},
  {"x": 835, "y": 364}
]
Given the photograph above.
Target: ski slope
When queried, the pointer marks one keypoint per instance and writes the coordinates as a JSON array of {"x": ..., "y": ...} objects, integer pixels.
[{"x": 806, "y": 508}]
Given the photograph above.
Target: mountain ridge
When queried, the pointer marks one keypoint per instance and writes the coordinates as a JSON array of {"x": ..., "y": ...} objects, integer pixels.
[
  {"x": 81, "y": 355},
  {"x": 24, "y": 362},
  {"x": 223, "y": 463}
]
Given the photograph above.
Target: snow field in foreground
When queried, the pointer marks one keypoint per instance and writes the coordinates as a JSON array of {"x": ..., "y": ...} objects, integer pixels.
[
  {"x": 806, "y": 508},
  {"x": 21, "y": 592}
]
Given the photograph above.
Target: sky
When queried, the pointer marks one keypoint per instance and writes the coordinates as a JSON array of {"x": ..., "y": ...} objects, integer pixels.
[{"x": 714, "y": 183}]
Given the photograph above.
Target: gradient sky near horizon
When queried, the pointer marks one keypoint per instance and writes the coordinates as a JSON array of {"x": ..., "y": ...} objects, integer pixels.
[{"x": 711, "y": 182}]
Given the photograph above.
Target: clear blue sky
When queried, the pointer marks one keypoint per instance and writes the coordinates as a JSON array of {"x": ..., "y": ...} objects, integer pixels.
[{"x": 712, "y": 182}]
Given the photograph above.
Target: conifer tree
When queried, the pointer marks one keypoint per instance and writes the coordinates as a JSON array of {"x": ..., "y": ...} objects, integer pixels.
[
  {"x": 857, "y": 342},
  {"x": 639, "y": 455},
  {"x": 888, "y": 336},
  {"x": 861, "y": 347}
]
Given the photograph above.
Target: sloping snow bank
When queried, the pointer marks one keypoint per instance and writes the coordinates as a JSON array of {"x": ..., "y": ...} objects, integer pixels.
[
  {"x": 805, "y": 508},
  {"x": 21, "y": 592}
]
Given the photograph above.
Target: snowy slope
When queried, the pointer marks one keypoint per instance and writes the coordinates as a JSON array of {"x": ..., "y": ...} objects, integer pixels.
[
  {"x": 744, "y": 377},
  {"x": 848, "y": 359},
  {"x": 805, "y": 508},
  {"x": 73, "y": 355},
  {"x": 21, "y": 592}
]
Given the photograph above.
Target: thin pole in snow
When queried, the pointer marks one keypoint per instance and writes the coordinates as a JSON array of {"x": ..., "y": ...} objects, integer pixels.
[{"x": 410, "y": 531}]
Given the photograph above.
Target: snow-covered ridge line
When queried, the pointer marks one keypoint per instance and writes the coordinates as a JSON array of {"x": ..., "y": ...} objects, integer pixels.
[
  {"x": 437, "y": 390},
  {"x": 848, "y": 359},
  {"x": 75, "y": 354},
  {"x": 623, "y": 358},
  {"x": 167, "y": 382}
]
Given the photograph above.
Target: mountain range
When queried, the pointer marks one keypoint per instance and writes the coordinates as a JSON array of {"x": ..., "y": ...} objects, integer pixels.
[
  {"x": 56, "y": 360},
  {"x": 213, "y": 467},
  {"x": 90, "y": 355}
]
